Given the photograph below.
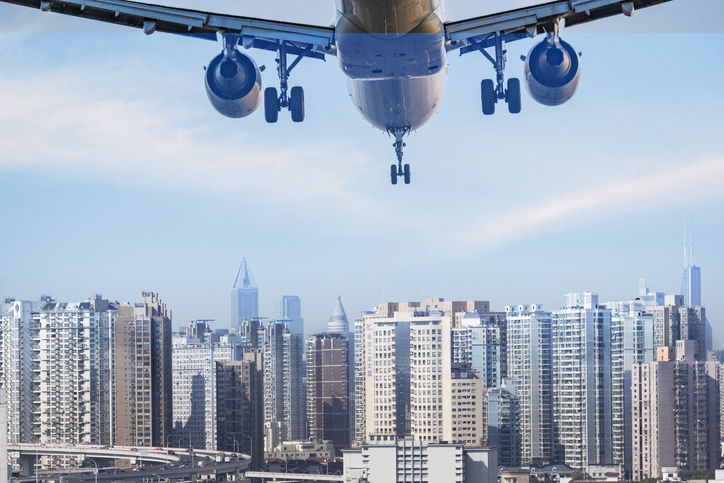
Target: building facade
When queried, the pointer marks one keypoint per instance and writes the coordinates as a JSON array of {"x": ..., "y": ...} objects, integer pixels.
[
  {"x": 632, "y": 342},
  {"x": 289, "y": 308},
  {"x": 327, "y": 389},
  {"x": 530, "y": 365},
  {"x": 194, "y": 391},
  {"x": 143, "y": 385},
  {"x": 240, "y": 410},
  {"x": 244, "y": 297},
  {"x": 676, "y": 420},
  {"x": 581, "y": 342}
]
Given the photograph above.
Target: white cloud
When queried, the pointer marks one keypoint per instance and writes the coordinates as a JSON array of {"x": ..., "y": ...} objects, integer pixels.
[{"x": 595, "y": 202}]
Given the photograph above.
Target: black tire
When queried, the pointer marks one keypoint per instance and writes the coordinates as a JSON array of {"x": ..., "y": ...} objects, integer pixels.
[
  {"x": 296, "y": 104},
  {"x": 487, "y": 94},
  {"x": 406, "y": 172},
  {"x": 271, "y": 104},
  {"x": 393, "y": 174},
  {"x": 512, "y": 95}
]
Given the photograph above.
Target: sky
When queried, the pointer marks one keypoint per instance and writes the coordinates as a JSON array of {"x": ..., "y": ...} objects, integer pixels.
[{"x": 117, "y": 176}]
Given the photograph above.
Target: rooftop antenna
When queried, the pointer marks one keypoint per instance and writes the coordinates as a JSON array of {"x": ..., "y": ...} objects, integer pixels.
[
  {"x": 686, "y": 260},
  {"x": 692, "y": 240}
]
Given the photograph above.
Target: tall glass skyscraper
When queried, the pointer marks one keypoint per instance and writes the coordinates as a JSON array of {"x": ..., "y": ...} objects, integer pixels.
[
  {"x": 289, "y": 307},
  {"x": 244, "y": 296}
]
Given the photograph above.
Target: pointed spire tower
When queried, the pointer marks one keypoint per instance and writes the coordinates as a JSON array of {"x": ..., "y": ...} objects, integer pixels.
[
  {"x": 338, "y": 323},
  {"x": 244, "y": 296}
]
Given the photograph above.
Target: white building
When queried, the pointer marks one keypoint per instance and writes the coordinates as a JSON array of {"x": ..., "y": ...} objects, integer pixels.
[
  {"x": 194, "y": 391},
  {"x": 581, "y": 336},
  {"x": 16, "y": 363},
  {"x": 284, "y": 374},
  {"x": 632, "y": 342},
  {"x": 389, "y": 460},
  {"x": 477, "y": 340},
  {"x": 530, "y": 365}
]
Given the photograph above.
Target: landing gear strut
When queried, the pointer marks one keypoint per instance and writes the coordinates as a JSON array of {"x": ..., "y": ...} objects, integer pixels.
[
  {"x": 399, "y": 171},
  {"x": 294, "y": 101},
  {"x": 491, "y": 92}
]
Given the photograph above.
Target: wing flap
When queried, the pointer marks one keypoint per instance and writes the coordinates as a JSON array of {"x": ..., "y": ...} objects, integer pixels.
[
  {"x": 538, "y": 18},
  {"x": 183, "y": 21}
]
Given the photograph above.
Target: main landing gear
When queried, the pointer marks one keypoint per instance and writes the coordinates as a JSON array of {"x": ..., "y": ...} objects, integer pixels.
[
  {"x": 398, "y": 170},
  {"x": 294, "y": 101},
  {"x": 491, "y": 92}
]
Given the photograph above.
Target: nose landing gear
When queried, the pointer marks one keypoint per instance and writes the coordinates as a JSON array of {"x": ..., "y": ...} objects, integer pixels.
[{"x": 399, "y": 170}]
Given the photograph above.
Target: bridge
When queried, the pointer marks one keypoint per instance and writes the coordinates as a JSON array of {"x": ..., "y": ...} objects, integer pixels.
[
  {"x": 202, "y": 462},
  {"x": 291, "y": 477}
]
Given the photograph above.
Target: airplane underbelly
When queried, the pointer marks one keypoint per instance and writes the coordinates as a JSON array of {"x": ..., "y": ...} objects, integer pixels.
[{"x": 398, "y": 102}]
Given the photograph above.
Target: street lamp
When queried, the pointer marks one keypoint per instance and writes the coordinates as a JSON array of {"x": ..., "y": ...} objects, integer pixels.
[
  {"x": 168, "y": 445},
  {"x": 96, "y": 468},
  {"x": 236, "y": 443}
]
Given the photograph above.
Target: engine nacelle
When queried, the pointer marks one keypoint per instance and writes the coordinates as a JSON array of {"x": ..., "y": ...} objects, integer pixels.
[
  {"x": 234, "y": 84},
  {"x": 552, "y": 72}
]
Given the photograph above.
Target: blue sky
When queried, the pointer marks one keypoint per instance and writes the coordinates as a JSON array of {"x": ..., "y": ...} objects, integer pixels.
[{"x": 117, "y": 176}]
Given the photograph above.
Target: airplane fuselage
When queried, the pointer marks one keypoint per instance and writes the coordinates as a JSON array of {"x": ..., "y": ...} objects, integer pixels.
[{"x": 393, "y": 54}]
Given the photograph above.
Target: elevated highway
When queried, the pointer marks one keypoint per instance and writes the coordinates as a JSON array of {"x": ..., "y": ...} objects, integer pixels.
[{"x": 200, "y": 462}]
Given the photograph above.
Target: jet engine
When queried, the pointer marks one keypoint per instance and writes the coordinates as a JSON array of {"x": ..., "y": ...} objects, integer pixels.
[
  {"x": 552, "y": 71},
  {"x": 234, "y": 84}
]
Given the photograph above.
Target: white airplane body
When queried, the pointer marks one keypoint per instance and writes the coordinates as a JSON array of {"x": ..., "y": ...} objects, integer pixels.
[{"x": 393, "y": 52}]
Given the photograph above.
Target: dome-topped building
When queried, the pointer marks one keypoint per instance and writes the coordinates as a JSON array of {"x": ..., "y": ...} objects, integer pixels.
[{"x": 338, "y": 323}]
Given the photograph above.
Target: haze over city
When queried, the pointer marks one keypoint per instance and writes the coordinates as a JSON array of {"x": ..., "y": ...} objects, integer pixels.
[{"x": 118, "y": 177}]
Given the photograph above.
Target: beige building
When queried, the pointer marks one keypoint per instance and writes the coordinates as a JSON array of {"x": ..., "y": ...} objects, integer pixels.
[
  {"x": 143, "y": 392},
  {"x": 301, "y": 450},
  {"x": 675, "y": 412},
  {"x": 465, "y": 421}
]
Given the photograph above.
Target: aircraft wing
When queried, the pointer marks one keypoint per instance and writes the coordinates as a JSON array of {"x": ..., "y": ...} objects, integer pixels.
[
  {"x": 313, "y": 40},
  {"x": 529, "y": 21}
]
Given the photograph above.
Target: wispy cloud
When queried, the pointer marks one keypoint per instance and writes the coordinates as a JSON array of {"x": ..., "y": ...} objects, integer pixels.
[{"x": 597, "y": 201}]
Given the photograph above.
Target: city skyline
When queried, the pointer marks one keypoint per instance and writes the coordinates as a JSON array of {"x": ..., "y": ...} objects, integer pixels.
[{"x": 500, "y": 209}]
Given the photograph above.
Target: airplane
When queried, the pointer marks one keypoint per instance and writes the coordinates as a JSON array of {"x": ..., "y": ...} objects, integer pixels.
[{"x": 393, "y": 53}]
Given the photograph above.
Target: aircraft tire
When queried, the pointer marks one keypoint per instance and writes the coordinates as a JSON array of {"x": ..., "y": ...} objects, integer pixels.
[
  {"x": 393, "y": 174},
  {"x": 271, "y": 104},
  {"x": 296, "y": 102},
  {"x": 407, "y": 174},
  {"x": 512, "y": 95},
  {"x": 487, "y": 95}
]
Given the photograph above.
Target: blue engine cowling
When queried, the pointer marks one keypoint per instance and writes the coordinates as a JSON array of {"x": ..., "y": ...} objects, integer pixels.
[
  {"x": 234, "y": 84},
  {"x": 552, "y": 71}
]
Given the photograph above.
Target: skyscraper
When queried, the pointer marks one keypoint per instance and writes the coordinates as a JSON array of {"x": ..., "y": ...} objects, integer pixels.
[
  {"x": 289, "y": 307},
  {"x": 338, "y": 323},
  {"x": 632, "y": 342},
  {"x": 675, "y": 412},
  {"x": 284, "y": 372},
  {"x": 581, "y": 336},
  {"x": 244, "y": 297},
  {"x": 327, "y": 389},
  {"x": 240, "y": 399},
  {"x": 477, "y": 341},
  {"x": 691, "y": 281},
  {"x": 194, "y": 375},
  {"x": 143, "y": 392},
  {"x": 530, "y": 360}
]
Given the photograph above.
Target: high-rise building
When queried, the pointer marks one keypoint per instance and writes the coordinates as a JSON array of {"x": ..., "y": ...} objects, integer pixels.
[
  {"x": 143, "y": 385},
  {"x": 289, "y": 308},
  {"x": 240, "y": 399},
  {"x": 284, "y": 373},
  {"x": 675, "y": 412},
  {"x": 338, "y": 323},
  {"x": 691, "y": 281},
  {"x": 632, "y": 342},
  {"x": 530, "y": 366},
  {"x": 194, "y": 390},
  {"x": 73, "y": 357},
  {"x": 16, "y": 363},
  {"x": 502, "y": 408},
  {"x": 359, "y": 381},
  {"x": 477, "y": 341},
  {"x": 581, "y": 336},
  {"x": 466, "y": 421},
  {"x": 327, "y": 389},
  {"x": 675, "y": 321},
  {"x": 244, "y": 297}
]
